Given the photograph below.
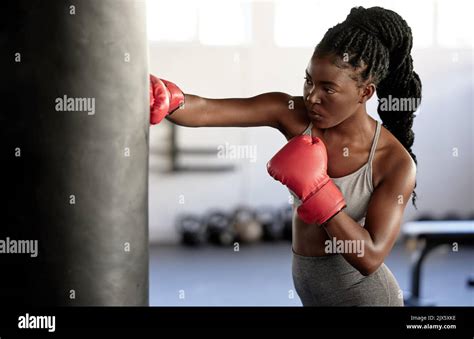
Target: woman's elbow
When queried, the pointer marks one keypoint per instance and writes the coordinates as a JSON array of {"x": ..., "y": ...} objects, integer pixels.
[{"x": 369, "y": 266}]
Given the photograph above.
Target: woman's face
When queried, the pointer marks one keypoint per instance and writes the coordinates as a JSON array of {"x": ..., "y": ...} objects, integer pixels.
[{"x": 330, "y": 95}]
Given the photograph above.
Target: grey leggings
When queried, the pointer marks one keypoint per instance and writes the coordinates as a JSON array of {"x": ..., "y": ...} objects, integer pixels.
[{"x": 332, "y": 281}]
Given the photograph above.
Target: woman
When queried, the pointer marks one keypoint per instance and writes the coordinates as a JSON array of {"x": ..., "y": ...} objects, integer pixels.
[{"x": 371, "y": 164}]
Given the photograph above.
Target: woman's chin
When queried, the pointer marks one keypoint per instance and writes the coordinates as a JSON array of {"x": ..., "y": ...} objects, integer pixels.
[{"x": 320, "y": 122}]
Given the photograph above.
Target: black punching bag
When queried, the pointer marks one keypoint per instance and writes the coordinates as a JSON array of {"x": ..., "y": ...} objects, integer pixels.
[{"x": 74, "y": 153}]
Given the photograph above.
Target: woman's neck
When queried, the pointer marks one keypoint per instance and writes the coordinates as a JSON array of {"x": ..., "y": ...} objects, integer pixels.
[{"x": 358, "y": 129}]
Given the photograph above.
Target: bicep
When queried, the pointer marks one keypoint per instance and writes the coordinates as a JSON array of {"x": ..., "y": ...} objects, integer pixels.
[
  {"x": 262, "y": 110},
  {"x": 387, "y": 205}
]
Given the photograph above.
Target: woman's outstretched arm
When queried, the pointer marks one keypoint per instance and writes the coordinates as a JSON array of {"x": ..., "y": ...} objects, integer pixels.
[{"x": 266, "y": 109}]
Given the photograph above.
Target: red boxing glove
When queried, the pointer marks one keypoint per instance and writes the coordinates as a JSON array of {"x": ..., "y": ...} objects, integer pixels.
[
  {"x": 165, "y": 98},
  {"x": 301, "y": 165}
]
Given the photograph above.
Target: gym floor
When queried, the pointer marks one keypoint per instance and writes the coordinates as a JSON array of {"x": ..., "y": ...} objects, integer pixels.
[{"x": 260, "y": 275}]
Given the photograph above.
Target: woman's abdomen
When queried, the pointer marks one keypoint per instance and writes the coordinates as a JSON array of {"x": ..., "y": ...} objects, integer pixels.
[
  {"x": 331, "y": 281},
  {"x": 308, "y": 239}
]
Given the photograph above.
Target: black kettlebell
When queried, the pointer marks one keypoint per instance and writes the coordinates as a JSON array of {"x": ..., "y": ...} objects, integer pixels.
[
  {"x": 272, "y": 223},
  {"x": 192, "y": 230},
  {"x": 219, "y": 228}
]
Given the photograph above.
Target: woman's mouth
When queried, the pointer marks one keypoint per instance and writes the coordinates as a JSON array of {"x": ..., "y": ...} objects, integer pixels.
[{"x": 316, "y": 115}]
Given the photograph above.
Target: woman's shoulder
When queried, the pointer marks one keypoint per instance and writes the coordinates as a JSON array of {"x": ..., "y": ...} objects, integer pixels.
[
  {"x": 294, "y": 120},
  {"x": 393, "y": 157}
]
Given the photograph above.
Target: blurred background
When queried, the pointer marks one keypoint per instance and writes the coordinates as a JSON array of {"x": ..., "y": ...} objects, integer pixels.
[{"x": 219, "y": 224}]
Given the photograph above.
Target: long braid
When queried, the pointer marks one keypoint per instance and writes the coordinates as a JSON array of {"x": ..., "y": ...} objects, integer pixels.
[{"x": 377, "y": 43}]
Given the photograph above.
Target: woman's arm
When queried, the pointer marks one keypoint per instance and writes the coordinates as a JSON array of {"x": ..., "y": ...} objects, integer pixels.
[
  {"x": 268, "y": 109},
  {"x": 383, "y": 219}
]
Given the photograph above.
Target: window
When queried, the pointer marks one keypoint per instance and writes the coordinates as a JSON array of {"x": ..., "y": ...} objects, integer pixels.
[
  {"x": 225, "y": 22},
  {"x": 455, "y": 24},
  {"x": 304, "y": 23},
  {"x": 171, "y": 20},
  {"x": 211, "y": 22}
]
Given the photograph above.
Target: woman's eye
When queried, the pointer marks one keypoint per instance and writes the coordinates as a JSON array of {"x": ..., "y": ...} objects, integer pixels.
[
  {"x": 308, "y": 81},
  {"x": 330, "y": 90}
]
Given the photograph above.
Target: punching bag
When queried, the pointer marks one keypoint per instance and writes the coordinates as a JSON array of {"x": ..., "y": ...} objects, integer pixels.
[{"x": 74, "y": 153}]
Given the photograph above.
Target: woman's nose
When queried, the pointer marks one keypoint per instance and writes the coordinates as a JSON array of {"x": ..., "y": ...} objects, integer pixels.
[{"x": 313, "y": 97}]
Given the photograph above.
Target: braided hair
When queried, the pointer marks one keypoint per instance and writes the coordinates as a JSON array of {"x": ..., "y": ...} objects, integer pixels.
[{"x": 376, "y": 43}]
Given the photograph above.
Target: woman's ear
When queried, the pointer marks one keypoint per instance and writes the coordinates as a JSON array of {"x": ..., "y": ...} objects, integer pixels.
[{"x": 366, "y": 93}]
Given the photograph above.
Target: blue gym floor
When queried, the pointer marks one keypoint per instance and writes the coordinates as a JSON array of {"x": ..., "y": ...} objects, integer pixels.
[{"x": 260, "y": 275}]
